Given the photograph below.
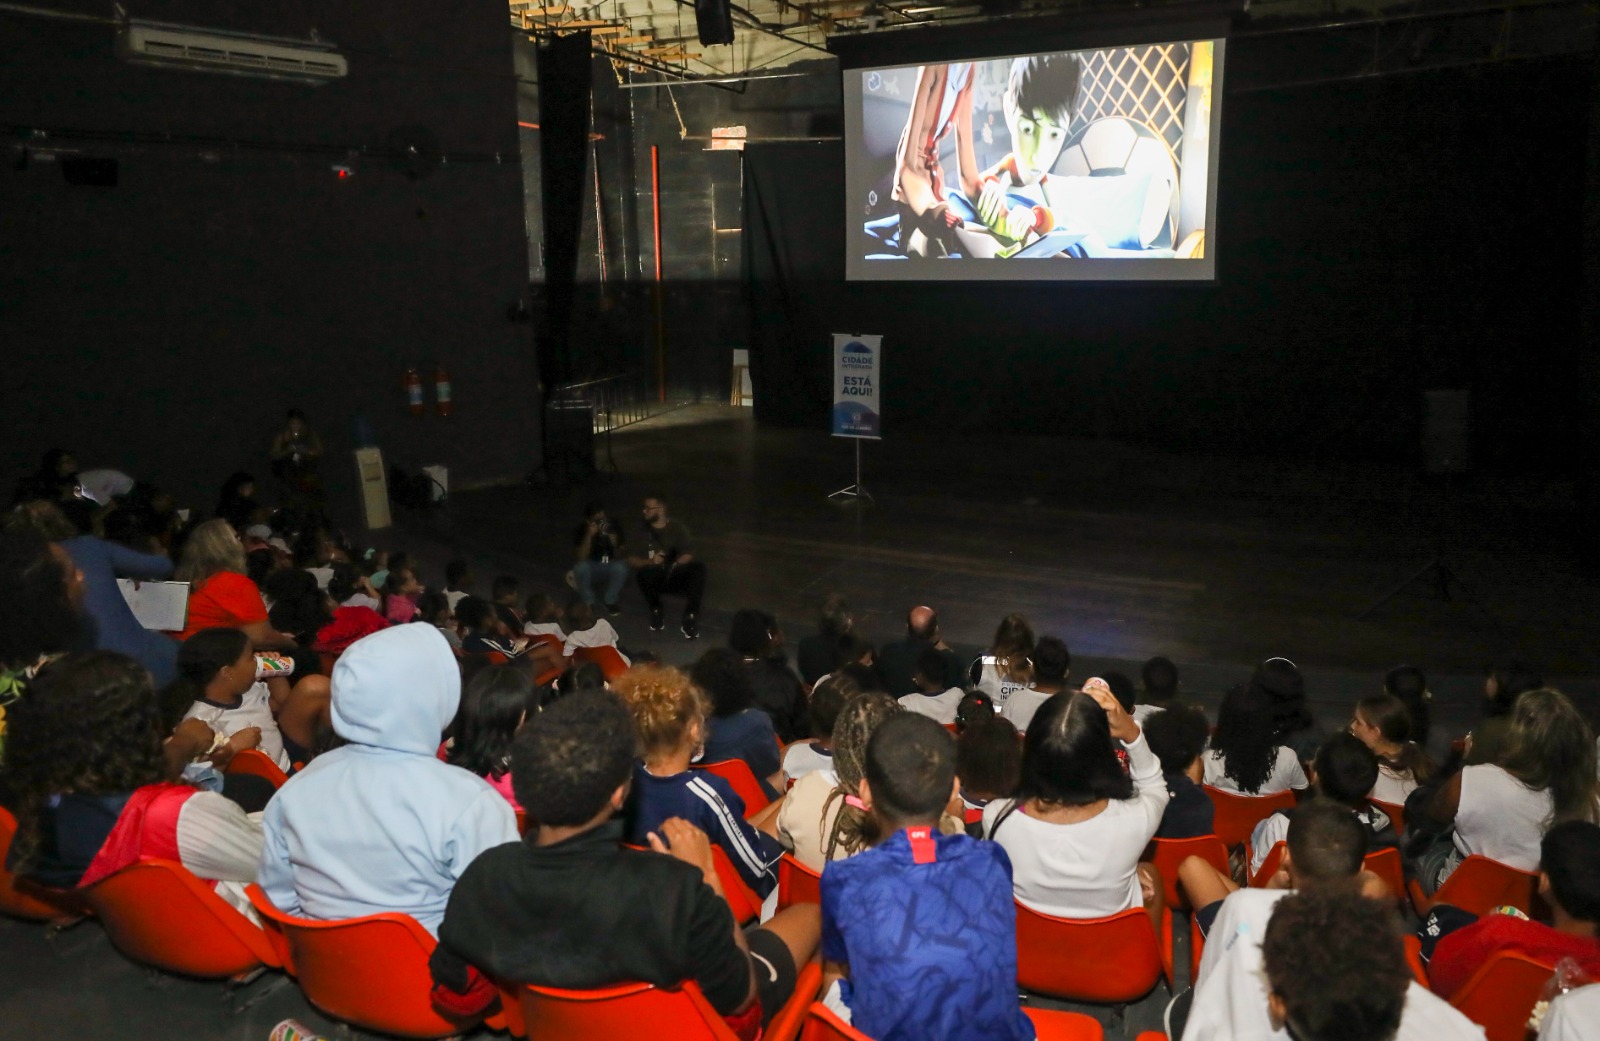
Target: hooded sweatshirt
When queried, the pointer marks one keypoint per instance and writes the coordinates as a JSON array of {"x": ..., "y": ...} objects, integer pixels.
[{"x": 380, "y": 824}]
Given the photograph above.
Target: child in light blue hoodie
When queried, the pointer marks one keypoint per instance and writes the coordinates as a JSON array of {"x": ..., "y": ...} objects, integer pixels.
[{"x": 380, "y": 824}]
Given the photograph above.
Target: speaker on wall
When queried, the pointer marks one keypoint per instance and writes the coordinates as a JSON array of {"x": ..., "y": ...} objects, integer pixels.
[{"x": 714, "y": 21}]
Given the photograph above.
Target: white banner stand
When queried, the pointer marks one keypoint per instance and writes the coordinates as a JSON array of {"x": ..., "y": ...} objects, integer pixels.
[{"x": 856, "y": 366}]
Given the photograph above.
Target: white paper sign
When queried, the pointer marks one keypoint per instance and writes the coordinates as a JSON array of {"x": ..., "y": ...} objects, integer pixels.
[{"x": 163, "y": 606}]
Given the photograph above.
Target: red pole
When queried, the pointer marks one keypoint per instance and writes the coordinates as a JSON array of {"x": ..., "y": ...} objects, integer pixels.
[{"x": 661, "y": 347}]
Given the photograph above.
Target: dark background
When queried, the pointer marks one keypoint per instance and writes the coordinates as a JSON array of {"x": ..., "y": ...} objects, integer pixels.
[
  {"x": 164, "y": 325},
  {"x": 1374, "y": 239}
]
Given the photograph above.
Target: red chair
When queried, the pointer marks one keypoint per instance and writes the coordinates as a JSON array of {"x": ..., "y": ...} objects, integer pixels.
[
  {"x": 256, "y": 763},
  {"x": 631, "y": 1010},
  {"x": 1501, "y": 994},
  {"x": 1479, "y": 885},
  {"x": 742, "y": 900},
  {"x": 797, "y": 884},
  {"x": 1050, "y": 1025},
  {"x": 23, "y": 898},
  {"x": 522, "y": 822},
  {"x": 157, "y": 913},
  {"x": 370, "y": 972},
  {"x": 738, "y": 774},
  {"x": 1237, "y": 815},
  {"x": 1167, "y": 854},
  {"x": 1386, "y": 864},
  {"x": 1111, "y": 961},
  {"x": 1419, "y": 971},
  {"x": 1269, "y": 866},
  {"x": 1396, "y": 813},
  {"x": 609, "y": 659},
  {"x": 785, "y": 1025}
]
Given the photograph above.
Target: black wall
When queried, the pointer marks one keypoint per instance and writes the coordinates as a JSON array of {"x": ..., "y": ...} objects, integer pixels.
[
  {"x": 162, "y": 326},
  {"x": 1375, "y": 238}
]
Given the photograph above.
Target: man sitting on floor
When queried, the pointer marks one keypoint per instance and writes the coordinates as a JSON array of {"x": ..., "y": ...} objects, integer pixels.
[
  {"x": 570, "y": 907},
  {"x": 669, "y": 566}
]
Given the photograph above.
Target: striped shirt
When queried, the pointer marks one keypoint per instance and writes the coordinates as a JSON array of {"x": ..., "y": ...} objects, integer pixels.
[{"x": 709, "y": 803}]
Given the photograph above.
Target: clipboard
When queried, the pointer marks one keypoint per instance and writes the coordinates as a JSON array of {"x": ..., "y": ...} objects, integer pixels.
[{"x": 163, "y": 606}]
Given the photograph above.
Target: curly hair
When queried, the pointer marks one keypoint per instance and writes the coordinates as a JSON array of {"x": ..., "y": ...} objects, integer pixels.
[
  {"x": 1335, "y": 960},
  {"x": 213, "y": 547},
  {"x": 1245, "y": 737},
  {"x": 36, "y": 615},
  {"x": 665, "y": 705},
  {"x": 90, "y": 725},
  {"x": 853, "y": 829}
]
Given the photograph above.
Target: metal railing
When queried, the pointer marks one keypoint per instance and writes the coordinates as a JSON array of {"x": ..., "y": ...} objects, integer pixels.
[{"x": 622, "y": 400}]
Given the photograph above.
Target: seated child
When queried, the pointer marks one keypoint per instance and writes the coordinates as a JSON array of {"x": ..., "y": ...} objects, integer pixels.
[
  {"x": 571, "y": 882},
  {"x": 1383, "y": 723},
  {"x": 1051, "y": 664},
  {"x": 989, "y": 764},
  {"x": 975, "y": 707},
  {"x": 1569, "y": 881},
  {"x": 736, "y": 729},
  {"x": 355, "y": 616},
  {"x": 219, "y": 678},
  {"x": 822, "y": 818},
  {"x": 1335, "y": 967},
  {"x": 1231, "y": 992},
  {"x": 400, "y": 592},
  {"x": 434, "y": 608},
  {"x": 827, "y": 699},
  {"x": 482, "y": 632},
  {"x": 932, "y": 698},
  {"x": 93, "y": 791},
  {"x": 919, "y": 931},
  {"x": 457, "y": 577},
  {"x": 543, "y": 617},
  {"x": 585, "y": 630},
  {"x": 504, "y": 594},
  {"x": 1160, "y": 678},
  {"x": 1344, "y": 771},
  {"x": 1078, "y": 823},
  {"x": 1177, "y": 735},
  {"x": 670, "y": 715},
  {"x": 493, "y": 706},
  {"x": 1245, "y": 756}
]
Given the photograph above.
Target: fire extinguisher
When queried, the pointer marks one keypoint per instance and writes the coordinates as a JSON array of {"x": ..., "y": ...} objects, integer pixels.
[
  {"x": 441, "y": 390},
  {"x": 414, "y": 391}
]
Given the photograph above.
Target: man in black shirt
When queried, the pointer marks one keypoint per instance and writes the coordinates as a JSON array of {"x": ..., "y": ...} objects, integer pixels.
[
  {"x": 601, "y": 551},
  {"x": 669, "y": 566},
  {"x": 570, "y": 907}
]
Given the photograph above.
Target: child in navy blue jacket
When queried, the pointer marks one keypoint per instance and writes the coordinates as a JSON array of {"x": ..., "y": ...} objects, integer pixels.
[{"x": 670, "y": 713}]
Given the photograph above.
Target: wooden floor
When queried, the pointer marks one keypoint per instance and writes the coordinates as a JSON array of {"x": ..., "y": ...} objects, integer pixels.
[{"x": 1124, "y": 552}]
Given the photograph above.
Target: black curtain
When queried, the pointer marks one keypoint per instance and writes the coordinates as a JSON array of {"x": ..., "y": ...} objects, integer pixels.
[
  {"x": 563, "y": 64},
  {"x": 794, "y": 242}
]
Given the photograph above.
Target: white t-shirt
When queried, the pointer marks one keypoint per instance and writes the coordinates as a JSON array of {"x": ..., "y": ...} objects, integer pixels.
[
  {"x": 1393, "y": 785},
  {"x": 1230, "y": 993},
  {"x": 1275, "y": 829},
  {"x": 1088, "y": 869},
  {"x": 803, "y": 758},
  {"x": 1022, "y": 706},
  {"x": 998, "y": 687},
  {"x": 104, "y": 485},
  {"x": 1286, "y": 773},
  {"x": 1574, "y": 1016},
  {"x": 255, "y": 710},
  {"x": 941, "y": 708},
  {"x": 454, "y": 597},
  {"x": 323, "y": 575},
  {"x": 1501, "y": 818},
  {"x": 545, "y": 629},
  {"x": 600, "y": 634},
  {"x": 1141, "y": 713},
  {"x": 218, "y": 841}
]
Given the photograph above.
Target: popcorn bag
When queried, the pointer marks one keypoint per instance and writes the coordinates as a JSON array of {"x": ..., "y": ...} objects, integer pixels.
[{"x": 1568, "y": 975}]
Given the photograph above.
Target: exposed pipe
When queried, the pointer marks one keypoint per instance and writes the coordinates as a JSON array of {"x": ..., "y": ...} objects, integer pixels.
[{"x": 714, "y": 80}]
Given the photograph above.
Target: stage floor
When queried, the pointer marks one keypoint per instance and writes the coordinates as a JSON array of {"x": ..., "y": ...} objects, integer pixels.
[{"x": 1124, "y": 552}]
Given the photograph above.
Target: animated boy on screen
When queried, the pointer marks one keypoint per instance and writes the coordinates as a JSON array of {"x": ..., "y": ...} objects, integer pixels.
[{"x": 988, "y": 213}]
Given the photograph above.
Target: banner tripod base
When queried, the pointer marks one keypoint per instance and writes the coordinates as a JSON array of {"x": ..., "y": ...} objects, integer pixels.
[{"x": 853, "y": 491}]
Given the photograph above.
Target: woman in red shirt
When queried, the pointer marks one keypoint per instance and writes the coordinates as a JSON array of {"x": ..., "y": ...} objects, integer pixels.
[{"x": 220, "y": 594}]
